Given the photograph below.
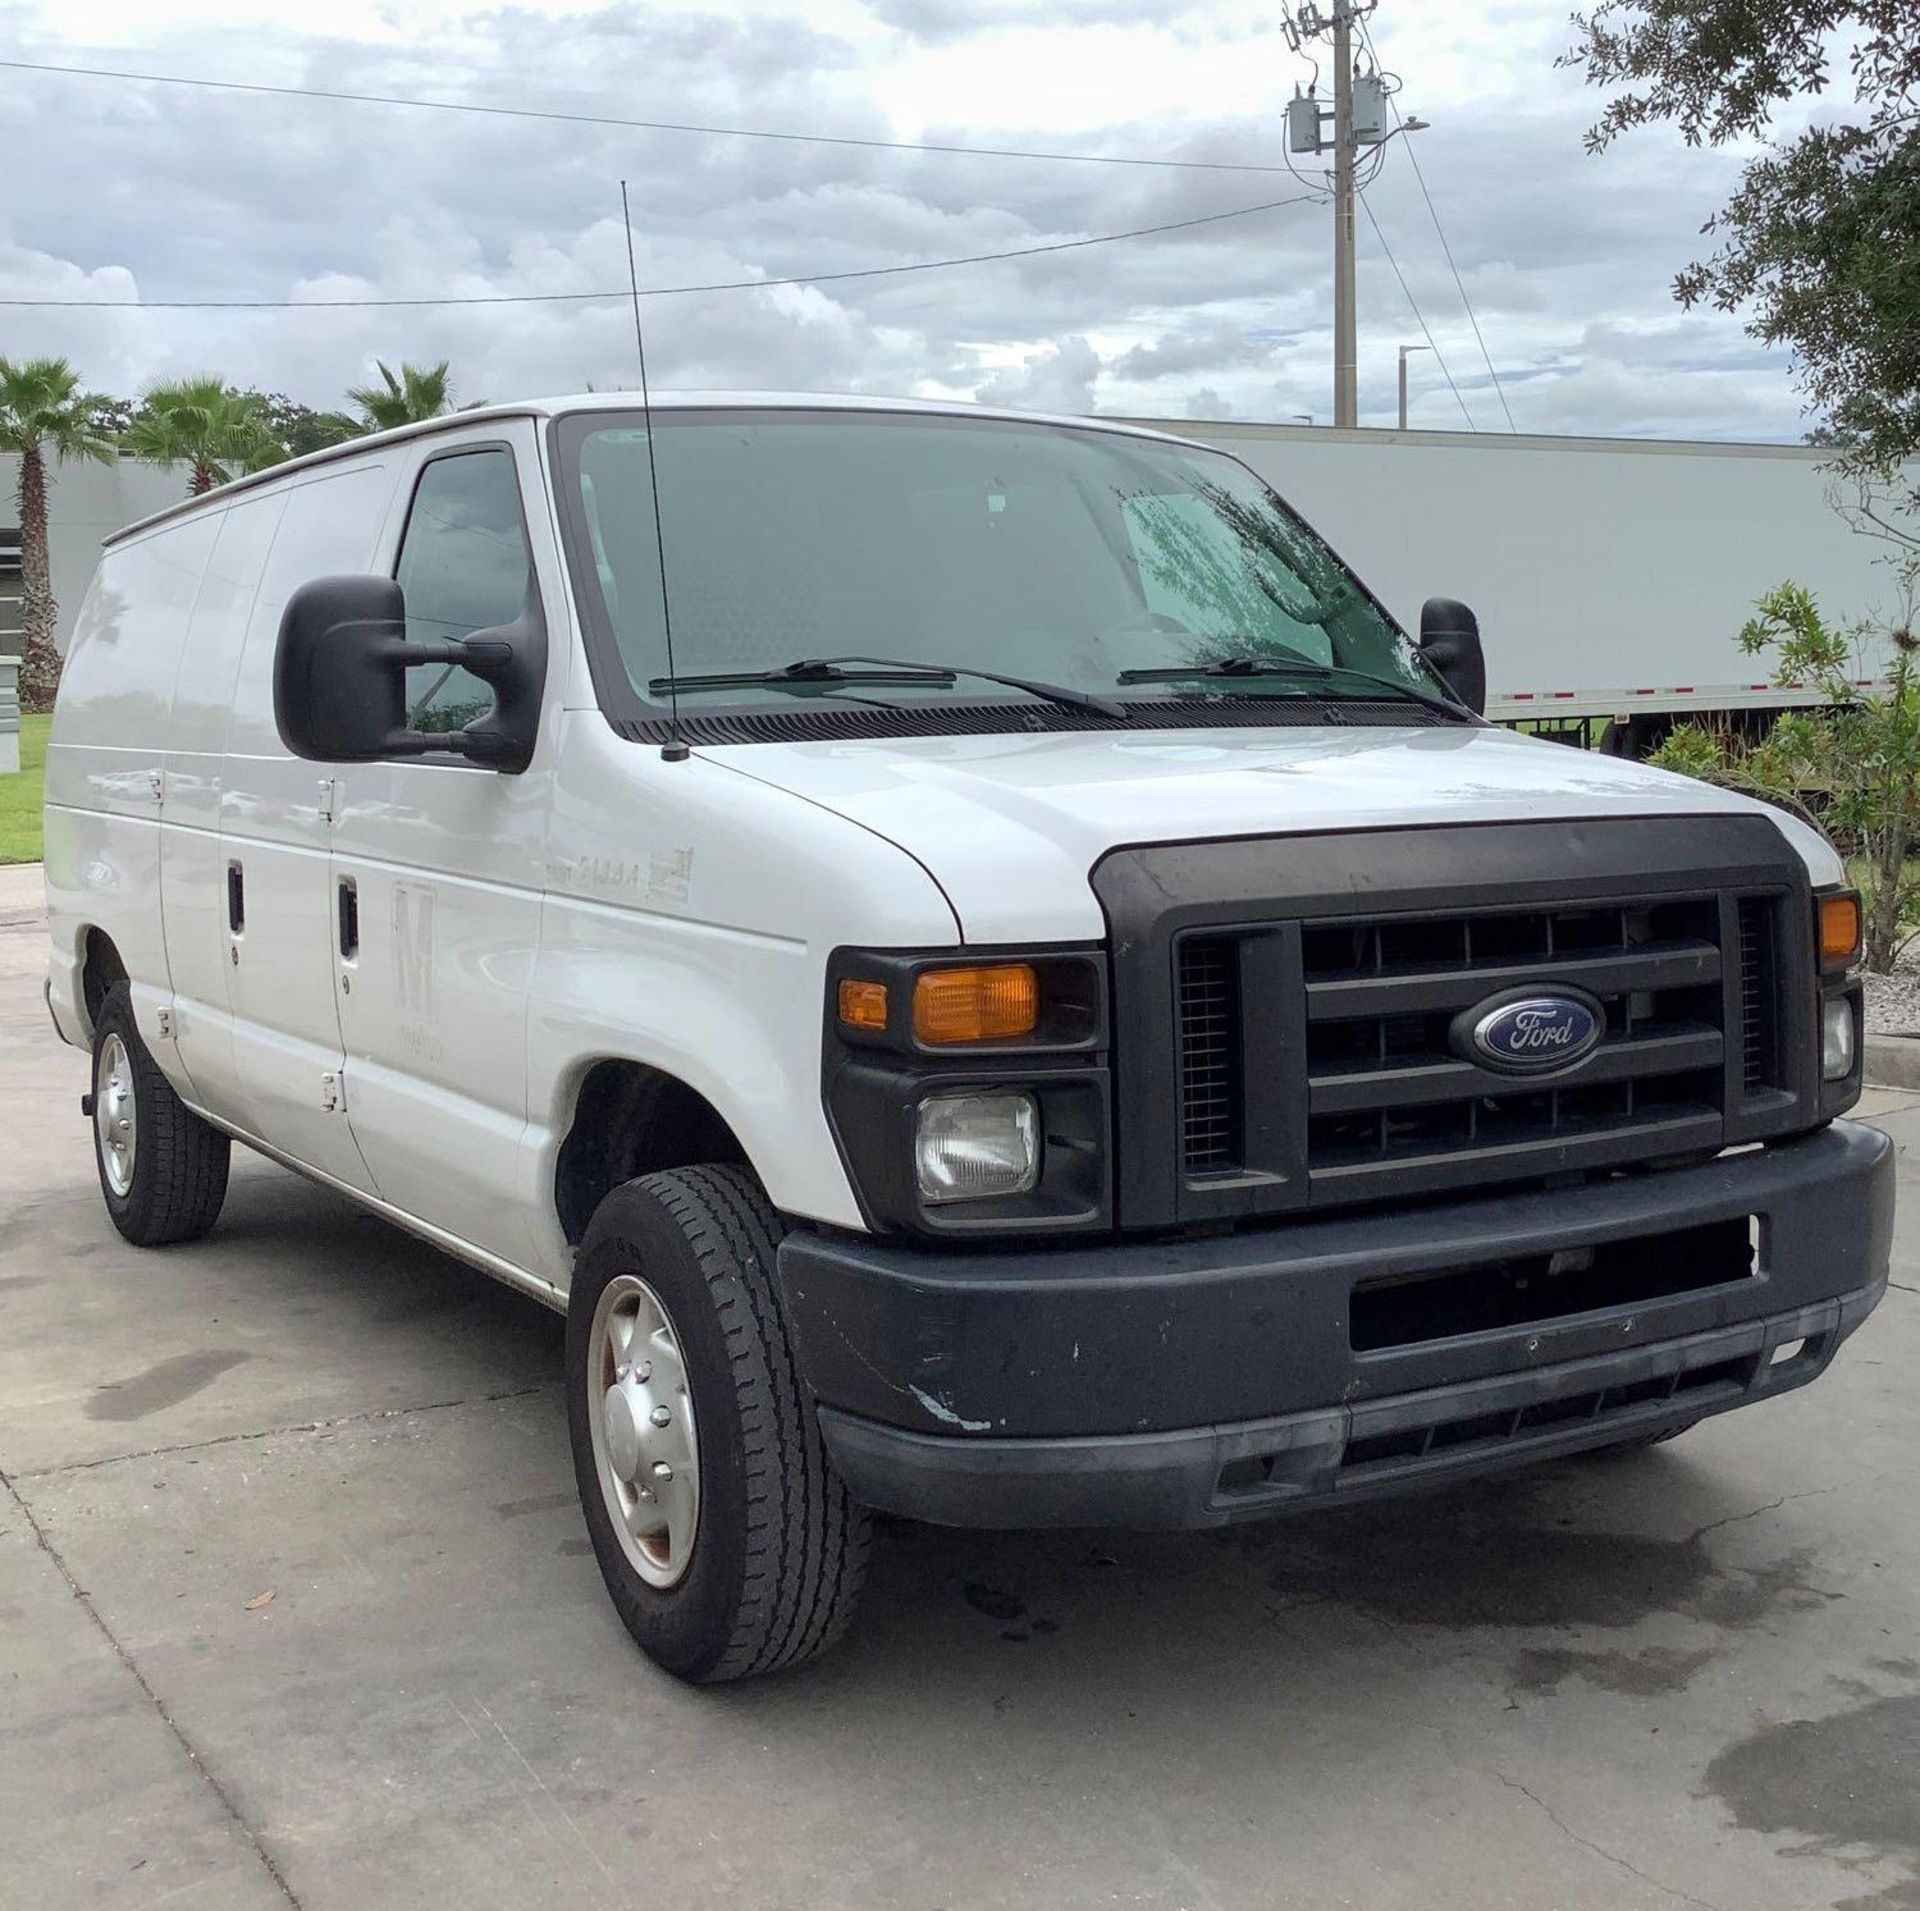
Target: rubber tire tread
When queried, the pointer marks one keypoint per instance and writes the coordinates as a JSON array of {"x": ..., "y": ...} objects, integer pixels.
[
  {"x": 180, "y": 1162},
  {"x": 806, "y": 1543}
]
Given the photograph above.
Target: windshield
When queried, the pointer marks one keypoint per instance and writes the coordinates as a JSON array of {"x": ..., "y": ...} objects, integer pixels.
[{"x": 1095, "y": 561}]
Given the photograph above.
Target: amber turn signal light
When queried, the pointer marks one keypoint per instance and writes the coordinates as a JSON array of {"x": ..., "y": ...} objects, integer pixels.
[
  {"x": 988, "y": 1004},
  {"x": 863, "y": 1005},
  {"x": 1839, "y": 929}
]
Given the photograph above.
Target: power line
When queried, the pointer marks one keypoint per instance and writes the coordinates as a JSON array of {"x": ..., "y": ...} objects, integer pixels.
[
  {"x": 1419, "y": 316},
  {"x": 641, "y": 125},
  {"x": 1434, "y": 214},
  {"x": 662, "y": 291}
]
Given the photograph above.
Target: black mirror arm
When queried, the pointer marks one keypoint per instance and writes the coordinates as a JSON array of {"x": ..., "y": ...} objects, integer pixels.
[
  {"x": 488, "y": 658},
  {"x": 478, "y": 654},
  {"x": 488, "y": 748}
]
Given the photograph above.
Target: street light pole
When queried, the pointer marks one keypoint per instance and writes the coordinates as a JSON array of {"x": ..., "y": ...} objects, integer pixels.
[{"x": 1404, "y": 350}]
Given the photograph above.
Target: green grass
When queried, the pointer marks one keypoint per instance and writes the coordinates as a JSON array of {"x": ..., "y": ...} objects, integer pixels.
[{"x": 20, "y": 795}]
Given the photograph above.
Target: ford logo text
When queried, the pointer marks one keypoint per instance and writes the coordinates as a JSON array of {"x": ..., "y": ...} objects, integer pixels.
[{"x": 1532, "y": 1033}]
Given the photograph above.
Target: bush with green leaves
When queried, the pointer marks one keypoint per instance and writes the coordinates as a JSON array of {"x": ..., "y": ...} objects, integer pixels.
[{"x": 1854, "y": 764}]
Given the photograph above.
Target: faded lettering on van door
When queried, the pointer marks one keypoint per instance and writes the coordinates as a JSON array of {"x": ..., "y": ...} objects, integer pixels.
[{"x": 413, "y": 965}]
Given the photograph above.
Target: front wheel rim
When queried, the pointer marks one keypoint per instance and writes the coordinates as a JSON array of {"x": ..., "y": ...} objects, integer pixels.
[
  {"x": 116, "y": 1117},
  {"x": 646, "y": 1446}
]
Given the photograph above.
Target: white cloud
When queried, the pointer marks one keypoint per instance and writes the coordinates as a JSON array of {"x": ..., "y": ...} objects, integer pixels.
[
  {"x": 1060, "y": 377},
  {"x": 176, "y": 193}
]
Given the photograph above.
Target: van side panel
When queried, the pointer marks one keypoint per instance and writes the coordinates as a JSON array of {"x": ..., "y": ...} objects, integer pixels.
[
  {"x": 193, "y": 888},
  {"x": 274, "y": 828},
  {"x": 105, "y": 759}
]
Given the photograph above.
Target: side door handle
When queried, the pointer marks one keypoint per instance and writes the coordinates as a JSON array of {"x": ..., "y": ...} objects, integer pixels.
[
  {"x": 348, "y": 900},
  {"x": 236, "y": 898}
]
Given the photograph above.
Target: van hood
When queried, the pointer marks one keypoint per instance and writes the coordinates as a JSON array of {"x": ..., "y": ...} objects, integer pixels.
[{"x": 1011, "y": 826}]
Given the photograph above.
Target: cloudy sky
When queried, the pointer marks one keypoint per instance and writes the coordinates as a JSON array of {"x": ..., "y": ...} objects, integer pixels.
[{"x": 115, "y": 190}]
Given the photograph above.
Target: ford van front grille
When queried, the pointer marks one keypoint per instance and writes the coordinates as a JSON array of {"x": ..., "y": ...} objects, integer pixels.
[
  {"x": 1397, "y": 1098},
  {"x": 1321, "y": 1049}
]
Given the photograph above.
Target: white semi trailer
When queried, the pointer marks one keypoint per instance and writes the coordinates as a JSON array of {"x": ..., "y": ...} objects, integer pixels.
[{"x": 1609, "y": 575}]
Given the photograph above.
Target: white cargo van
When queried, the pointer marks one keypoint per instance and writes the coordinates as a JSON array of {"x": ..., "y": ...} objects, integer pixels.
[{"x": 974, "y": 961}]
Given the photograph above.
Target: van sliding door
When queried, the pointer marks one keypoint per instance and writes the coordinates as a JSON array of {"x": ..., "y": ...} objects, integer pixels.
[{"x": 273, "y": 889}]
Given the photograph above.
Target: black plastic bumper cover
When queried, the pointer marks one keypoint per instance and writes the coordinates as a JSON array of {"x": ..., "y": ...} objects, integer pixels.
[{"x": 1192, "y": 1382}]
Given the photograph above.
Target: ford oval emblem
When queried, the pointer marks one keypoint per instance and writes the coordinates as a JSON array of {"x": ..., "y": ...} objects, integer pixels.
[{"x": 1529, "y": 1033}]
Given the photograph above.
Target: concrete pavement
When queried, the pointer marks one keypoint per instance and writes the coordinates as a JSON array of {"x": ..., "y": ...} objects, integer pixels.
[{"x": 1687, "y": 1677}]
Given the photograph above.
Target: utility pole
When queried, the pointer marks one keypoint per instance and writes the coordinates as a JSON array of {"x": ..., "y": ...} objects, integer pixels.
[
  {"x": 1358, "y": 119},
  {"x": 1346, "y": 338}
]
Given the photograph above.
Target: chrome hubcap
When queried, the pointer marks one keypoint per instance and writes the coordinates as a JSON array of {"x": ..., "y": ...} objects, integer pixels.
[
  {"x": 645, "y": 1445},
  {"x": 115, "y": 1118}
]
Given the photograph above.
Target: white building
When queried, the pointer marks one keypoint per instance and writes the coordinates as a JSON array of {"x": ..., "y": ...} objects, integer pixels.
[{"x": 84, "y": 503}]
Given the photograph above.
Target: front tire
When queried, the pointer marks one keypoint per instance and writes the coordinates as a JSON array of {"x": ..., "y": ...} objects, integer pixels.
[
  {"x": 163, "y": 1171},
  {"x": 727, "y": 1542}
]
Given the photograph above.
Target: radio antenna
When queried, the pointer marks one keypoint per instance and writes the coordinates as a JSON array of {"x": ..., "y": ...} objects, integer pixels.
[{"x": 674, "y": 750}]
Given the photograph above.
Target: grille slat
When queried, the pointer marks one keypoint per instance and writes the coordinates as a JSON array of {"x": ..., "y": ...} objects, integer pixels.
[
  {"x": 1680, "y": 964},
  {"x": 1685, "y": 1048}
]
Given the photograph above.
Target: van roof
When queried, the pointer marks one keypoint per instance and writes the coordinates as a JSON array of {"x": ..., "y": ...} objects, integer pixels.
[{"x": 545, "y": 408}]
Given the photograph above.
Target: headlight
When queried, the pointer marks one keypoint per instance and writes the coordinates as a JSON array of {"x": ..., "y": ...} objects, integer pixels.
[
  {"x": 967, "y": 1147},
  {"x": 1836, "y": 1039},
  {"x": 969, "y": 1089}
]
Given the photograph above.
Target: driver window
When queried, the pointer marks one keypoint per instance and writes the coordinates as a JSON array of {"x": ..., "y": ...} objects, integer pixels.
[{"x": 465, "y": 566}]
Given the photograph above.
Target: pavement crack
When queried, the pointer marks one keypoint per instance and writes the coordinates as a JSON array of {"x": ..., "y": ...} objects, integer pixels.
[
  {"x": 269, "y": 1433},
  {"x": 1599, "y": 1851},
  {"x": 1753, "y": 1513},
  {"x": 1900, "y": 1287},
  {"x": 208, "y": 1776}
]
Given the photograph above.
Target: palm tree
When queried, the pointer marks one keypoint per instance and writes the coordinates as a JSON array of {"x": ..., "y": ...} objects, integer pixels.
[
  {"x": 42, "y": 409},
  {"x": 205, "y": 423},
  {"x": 418, "y": 392}
]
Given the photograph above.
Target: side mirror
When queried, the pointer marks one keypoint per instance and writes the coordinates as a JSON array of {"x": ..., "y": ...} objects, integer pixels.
[
  {"x": 1450, "y": 642},
  {"x": 340, "y": 678}
]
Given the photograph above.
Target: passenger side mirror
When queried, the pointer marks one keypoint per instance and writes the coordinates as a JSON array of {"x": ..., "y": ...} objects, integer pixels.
[
  {"x": 1450, "y": 642},
  {"x": 340, "y": 678}
]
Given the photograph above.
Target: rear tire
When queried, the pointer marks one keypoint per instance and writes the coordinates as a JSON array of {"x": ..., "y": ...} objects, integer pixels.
[
  {"x": 163, "y": 1171},
  {"x": 778, "y": 1550}
]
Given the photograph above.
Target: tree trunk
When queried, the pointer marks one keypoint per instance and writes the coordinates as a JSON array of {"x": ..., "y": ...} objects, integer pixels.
[
  {"x": 203, "y": 479},
  {"x": 1883, "y": 926},
  {"x": 40, "y": 662},
  {"x": 1887, "y": 851}
]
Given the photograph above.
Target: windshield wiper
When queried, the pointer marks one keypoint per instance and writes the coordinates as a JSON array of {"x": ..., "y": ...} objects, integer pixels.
[
  {"x": 1291, "y": 665},
  {"x": 804, "y": 671}
]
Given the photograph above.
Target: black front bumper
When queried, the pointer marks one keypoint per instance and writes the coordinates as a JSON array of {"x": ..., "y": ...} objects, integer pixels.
[{"x": 1192, "y": 1382}]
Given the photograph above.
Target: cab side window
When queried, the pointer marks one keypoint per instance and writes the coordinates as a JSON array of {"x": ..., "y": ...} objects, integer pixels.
[{"x": 465, "y": 566}]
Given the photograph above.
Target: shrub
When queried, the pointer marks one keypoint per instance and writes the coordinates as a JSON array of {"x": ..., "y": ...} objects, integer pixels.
[{"x": 1855, "y": 762}]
